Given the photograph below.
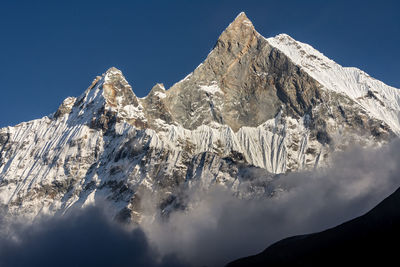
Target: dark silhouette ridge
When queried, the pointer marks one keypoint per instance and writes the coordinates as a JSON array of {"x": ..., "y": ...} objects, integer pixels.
[{"x": 371, "y": 239}]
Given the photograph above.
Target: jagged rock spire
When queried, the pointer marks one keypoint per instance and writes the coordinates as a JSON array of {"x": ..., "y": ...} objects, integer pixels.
[
  {"x": 241, "y": 20},
  {"x": 240, "y": 31},
  {"x": 113, "y": 69},
  {"x": 117, "y": 88}
]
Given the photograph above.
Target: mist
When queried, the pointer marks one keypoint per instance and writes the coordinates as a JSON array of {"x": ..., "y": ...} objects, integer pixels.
[{"x": 217, "y": 227}]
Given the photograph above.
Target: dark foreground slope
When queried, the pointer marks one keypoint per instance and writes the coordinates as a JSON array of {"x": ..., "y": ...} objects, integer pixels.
[{"x": 369, "y": 239}]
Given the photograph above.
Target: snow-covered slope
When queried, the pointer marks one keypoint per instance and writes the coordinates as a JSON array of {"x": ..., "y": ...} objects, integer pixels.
[
  {"x": 378, "y": 99},
  {"x": 248, "y": 109}
]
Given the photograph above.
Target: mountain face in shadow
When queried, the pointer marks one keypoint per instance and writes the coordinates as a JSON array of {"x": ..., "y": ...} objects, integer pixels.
[{"x": 371, "y": 239}]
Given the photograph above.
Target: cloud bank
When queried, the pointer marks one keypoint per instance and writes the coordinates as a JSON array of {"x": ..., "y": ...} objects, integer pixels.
[
  {"x": 217, "y": 227},
  {"x": 220, "y": 227},
  {"x": 82, "y": 238}
]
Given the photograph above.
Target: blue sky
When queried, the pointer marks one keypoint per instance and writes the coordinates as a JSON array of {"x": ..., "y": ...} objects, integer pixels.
[{"x": 53, "y": 49}]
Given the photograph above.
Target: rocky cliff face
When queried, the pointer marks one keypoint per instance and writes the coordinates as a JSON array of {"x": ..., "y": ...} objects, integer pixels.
[{"x": 255, "y": 105}]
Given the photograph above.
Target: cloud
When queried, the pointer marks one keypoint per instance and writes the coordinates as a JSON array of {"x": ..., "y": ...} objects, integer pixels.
[
  {"x": 82, "y": 238},
  {"x": 217, "y": 227}
]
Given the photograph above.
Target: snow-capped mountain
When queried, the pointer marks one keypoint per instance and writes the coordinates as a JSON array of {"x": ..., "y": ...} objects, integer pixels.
[{"x": 255, "y": 107}]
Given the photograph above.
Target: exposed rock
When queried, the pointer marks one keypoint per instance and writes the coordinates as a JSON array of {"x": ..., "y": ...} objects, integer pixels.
[{"x": 65, "y": 107}]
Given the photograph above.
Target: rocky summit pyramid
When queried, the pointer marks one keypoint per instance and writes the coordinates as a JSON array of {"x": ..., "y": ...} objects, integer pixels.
[{"x": 255, "y": 107}]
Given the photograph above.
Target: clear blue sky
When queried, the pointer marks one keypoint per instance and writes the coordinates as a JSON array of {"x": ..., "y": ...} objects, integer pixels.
[{"x": 53, "y": 49}]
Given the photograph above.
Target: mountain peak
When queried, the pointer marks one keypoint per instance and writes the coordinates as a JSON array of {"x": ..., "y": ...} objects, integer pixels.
[
  {"x": 241, "y": 30},
  {"x": 112, "y": 74},
  {"x": 241, "y": 21},
  {"x": 113, "y": 70},
  {"x": 284, "y": 36},
  {"x": 108, "y": 97},
  {"x": 241, "y": 18}
]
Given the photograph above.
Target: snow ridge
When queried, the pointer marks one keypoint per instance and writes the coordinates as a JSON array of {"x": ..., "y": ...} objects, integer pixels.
[{"x": 380, "y": 100}]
